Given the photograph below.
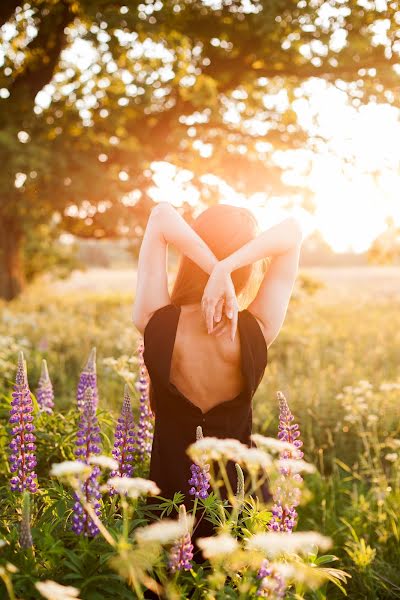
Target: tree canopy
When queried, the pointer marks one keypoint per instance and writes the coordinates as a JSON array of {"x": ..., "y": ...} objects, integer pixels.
[{"x": 93, "y": 93}]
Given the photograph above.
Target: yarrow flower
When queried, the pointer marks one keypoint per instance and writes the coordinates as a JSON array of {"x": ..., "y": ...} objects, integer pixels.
[
  {"x": 87, "y": 445},
  {"x": 200, "y": 476},
  {"x": 88, "y": 379},
  {"x": 287, "y": 492},
  {"x": 22, "y": 458},
  {"x": 54, "y": 591},
  {"x": 44, "y": 392},
  {"x": 218, "y": 545},
  {"x": 181, "y": 554},
  {"x": 276, "y": 543},
  {"x": 164, "y": 531},
  {"x": 145, "y": 426},
  {"x": 133, "y": 487},
  {"x": 124, "y": 440},
  {"x": 272, "y": 584}
]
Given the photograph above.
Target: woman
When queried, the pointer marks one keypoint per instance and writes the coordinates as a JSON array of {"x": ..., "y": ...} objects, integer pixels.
[{"x": 201, "y": 371}]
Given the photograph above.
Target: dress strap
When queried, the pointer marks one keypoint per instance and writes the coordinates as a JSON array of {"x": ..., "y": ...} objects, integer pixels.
[
  {"x": 254, "y": 348},
  {"x": 159, "y": 339}
]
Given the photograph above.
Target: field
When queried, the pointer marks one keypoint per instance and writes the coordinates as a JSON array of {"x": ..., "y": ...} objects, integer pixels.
[{"x": 336, "y": 360}]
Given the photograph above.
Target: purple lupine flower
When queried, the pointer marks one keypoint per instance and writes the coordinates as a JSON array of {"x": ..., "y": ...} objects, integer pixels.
[
  {"x": 124, "y": 440},
  {"x": 88, "y": 379},
  {"x": 181, "y": 553},
  {"x": 87, "y": 445},
  {"x": 22, "y": 458},
  {"x": 44, "y": 392},
  {"x": 180, "y": 558},
  {"x": 144, "y": 437},
  {"x": 200, "y": 479},
  {"x": 272, "y": 584},
  {"x": 25, "y": 536},
  {"x": 287, "y": 495}
]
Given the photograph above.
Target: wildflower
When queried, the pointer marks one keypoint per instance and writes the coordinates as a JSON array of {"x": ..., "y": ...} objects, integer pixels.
[
  {"x": 271, "y": 444},
  {"x": 164, "y": 531},
  {"x": 145, "y": 426},
  {"x": 44, "y": 392},
  {"x": 181, "y": 554},
  {"x": 240, "y": 487},
  {"x": 88, "y": 379},
  {"x": 134, "y": 487},
  {"x": 276, "y": 543},
  {"x": 200, "y": 481},
  {"x": 287, "y": 492},
  {"x": 22, "y": 457},
  {"x": 289, "y": 466},
  {"x": 69, "y": 468},
  {"x": 200, "y": 476},
  {"x": 124, "y": 440},
  {"x": 54, "y": 591},
  {"x": 87, "y": 445},
  {"x": 392, "y": 457},
  {"x": 253, "y": 458},
  {"x": 288, "y": 432},
  {"x": 25, "y": 537},
  {"x": 105, "y": 462},
  {"x": 272, "y": 584},
  {"x": 213, "y": 448},
  {"x": 217, "y": 545}
]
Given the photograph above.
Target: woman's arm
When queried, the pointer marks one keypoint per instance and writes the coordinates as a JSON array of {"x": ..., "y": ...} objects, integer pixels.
[
  {"x": 165, "y": 225},
  {"x": 282, "y": 243}
]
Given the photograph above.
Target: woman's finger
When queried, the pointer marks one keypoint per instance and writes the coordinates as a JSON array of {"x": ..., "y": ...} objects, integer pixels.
[
  {"x": 218, "y": 310},
  {"x": 210, "y": 316}
]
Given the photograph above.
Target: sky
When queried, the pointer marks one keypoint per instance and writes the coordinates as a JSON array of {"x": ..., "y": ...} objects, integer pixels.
[{"x": 352, "y": 201}]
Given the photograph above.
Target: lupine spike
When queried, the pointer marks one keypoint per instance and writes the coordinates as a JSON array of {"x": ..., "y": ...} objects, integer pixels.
[
  {"x": 145, "y": 426},
  {"x": 200, "y": 476},
  {"x": 287, "y": 495},
  {"x": 240, "y": 487},
  {"x": 22, "y": 457},
  {"x": 124, "y": 440},
  {"x": 44, "y": 392},
  {"x": 199, "y": 433},
  {"x": 88, "y": 379},
  {"x": 87, "y": 445},
  {"x": 272, "y": 584},
  {"x": 25, "y": 537},
  {"x": 181, "y": 554}
]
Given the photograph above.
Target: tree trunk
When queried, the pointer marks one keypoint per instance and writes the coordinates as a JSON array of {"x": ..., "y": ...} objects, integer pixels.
[{"x": 12, "y": 279}]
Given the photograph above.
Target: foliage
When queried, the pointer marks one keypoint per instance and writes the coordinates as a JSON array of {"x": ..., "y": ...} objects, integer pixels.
[
  {"x": 338, "y": 366},
  {"x": 161, "y": 82}
]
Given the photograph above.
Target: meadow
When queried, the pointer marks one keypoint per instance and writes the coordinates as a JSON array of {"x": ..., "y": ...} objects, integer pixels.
[{"x": 336, "y": 361}]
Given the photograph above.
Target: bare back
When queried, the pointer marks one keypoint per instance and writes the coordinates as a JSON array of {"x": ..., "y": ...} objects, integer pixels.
[{"x": 205, "y": 368}]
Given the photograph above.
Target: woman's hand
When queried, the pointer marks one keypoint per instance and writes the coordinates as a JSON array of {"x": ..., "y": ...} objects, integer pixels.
[{"x": 219, "y": 295}]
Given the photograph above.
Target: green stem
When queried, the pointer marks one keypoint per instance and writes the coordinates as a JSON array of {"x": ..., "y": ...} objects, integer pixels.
[{"x": 9, "y": 586}]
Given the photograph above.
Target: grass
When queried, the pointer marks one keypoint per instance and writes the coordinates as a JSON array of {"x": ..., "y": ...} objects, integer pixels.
[{"x": 327, "y": 346}]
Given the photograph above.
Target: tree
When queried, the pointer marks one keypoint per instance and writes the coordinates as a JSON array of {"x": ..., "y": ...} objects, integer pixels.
[
  {"x": 385, "y": 249},
  {"x": 209, "y": 88}
]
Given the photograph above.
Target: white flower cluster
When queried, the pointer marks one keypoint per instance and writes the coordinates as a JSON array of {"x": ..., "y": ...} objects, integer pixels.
[
  {"x": 54, "y": 591},
  {"x": 275, "y": 543},
  {"x": 165, "y": 531},
  {"x": 212, "y": 448},
  {"x": 133, "y": 487}
]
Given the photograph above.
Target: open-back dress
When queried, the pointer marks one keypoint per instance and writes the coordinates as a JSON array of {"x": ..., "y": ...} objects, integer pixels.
[{"x": 177, "y": 418}]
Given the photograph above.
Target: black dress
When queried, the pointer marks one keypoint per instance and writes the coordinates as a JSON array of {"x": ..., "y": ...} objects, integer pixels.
[{"x": 176, "y": 417}]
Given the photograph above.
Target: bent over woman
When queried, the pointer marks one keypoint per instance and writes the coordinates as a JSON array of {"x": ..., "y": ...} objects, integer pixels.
[{"x": 204, "y": 356}]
